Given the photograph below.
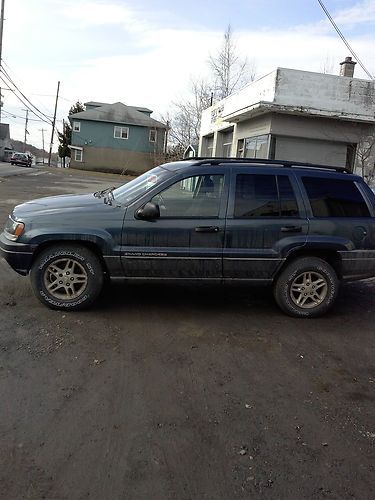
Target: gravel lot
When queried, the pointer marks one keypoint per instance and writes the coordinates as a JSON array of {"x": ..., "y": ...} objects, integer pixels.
[{"x": 181, "y": 393}]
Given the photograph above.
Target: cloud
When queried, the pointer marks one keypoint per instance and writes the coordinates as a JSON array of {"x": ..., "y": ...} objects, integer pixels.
[
  {"x": 360, "y": 13},
  {"x": 110, "y": 51}
]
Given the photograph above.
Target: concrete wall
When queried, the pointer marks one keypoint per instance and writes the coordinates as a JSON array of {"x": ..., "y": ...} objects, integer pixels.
[
  {"x": 112, "y": 160},
  {"x": 310, "y": 151},
  {"x": 257, "y": 126},
  {"x": 326, "y": 129},
  {"x": 337, "y": 95}
]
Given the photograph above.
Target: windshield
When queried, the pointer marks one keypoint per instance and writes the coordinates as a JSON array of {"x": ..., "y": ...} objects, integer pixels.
[{"x": 140, "y": 185}]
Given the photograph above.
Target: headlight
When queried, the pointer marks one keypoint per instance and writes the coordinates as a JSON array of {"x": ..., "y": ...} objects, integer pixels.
[{"x": 14, "y": 229}]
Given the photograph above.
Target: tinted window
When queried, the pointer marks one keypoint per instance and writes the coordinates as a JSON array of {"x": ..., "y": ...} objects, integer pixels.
[
  {"x": 288, "y": 202},
  {"x": 197, "y": 196},
  {"x": 261, "y": 195},
  {"x": 335, "y": 198}
]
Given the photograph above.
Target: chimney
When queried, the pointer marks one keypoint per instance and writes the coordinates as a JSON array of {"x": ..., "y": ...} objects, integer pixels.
[{"x": 347, "y": 67}]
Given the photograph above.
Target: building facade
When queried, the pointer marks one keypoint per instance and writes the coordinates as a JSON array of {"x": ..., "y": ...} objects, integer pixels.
[
  {"x": 293, "y": 115},
  {"x": 6, "y": 148},
  {"x": 115, "y": 138}
]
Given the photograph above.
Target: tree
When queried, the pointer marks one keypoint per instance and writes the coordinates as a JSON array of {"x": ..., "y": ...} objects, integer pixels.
[
  {"x": 76, "y": 108},
  {"x": 229, "y": 71},
  {"x": 185, "y": 120},
  {"x": 65, "y": 137}
]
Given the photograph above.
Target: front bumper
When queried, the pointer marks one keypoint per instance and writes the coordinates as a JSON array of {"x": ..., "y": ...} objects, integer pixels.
[{"x": 18, "y": 255}]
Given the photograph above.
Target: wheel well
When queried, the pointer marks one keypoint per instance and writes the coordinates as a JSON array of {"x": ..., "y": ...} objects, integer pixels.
[
  {"x": 87, "y": 244},
  {"x": 331, "y": 256}
]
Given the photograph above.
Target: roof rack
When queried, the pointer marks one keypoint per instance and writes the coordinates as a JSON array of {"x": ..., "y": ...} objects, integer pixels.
[{"x": 201, "y": 160}]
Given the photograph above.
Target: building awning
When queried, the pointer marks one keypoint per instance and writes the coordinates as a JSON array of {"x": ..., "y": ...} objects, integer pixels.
[{"x": 78, "y": 148}]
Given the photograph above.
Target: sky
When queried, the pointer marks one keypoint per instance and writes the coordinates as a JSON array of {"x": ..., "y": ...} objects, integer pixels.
[{"x": 145, "y": 53}]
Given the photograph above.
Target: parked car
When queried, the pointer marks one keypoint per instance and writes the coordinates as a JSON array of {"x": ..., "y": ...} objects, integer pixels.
[
  {"x": 302, "y": 229},
  {"x": 23, "y": 159}
]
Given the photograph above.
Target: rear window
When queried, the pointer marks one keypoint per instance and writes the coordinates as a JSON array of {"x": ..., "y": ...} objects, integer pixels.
[
  {"x": 335, "y": 197},
  {"x": 262, "y": 195}
]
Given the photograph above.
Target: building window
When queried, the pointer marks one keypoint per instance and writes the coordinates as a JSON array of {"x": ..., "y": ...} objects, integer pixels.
[
  {"x": 253, "y": 147},
  {"x": 351, "y": 151},
  {"x": 152, "y": 136},
  {"x": 76, "y": 126},
  {"x": 226, "y": 139},
  {"x": 208, "y": 145},
  {"x": 121, "y": 132},
  {"x": 78, "y": 154},
  {"x": 240, "y": 148}
]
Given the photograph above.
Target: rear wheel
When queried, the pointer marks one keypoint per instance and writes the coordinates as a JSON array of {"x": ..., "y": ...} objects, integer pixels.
[
  {"x": 307, "y": 288},
  {"x": 67, "y": 277}
]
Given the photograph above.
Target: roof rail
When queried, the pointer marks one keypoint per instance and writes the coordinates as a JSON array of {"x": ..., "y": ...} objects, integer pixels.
[{"x": 201, "y": 160}]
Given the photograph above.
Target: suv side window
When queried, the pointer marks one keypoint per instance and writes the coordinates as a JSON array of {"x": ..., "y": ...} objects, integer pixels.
[
  {"x": 335, "y": 197},
  {"x": 264, "y": 195},
  {"x": 197, "y": 196}
]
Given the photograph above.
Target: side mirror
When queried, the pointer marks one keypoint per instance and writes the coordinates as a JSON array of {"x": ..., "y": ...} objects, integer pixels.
[{"x": 150, "y": 211}]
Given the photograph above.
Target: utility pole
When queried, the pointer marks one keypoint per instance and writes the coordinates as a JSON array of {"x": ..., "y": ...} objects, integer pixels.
[
  {"x": 26, "y": 132},
  {"x": 1, "y": 46},
  {"x": 53, "y": 125},
  {"x": 43, "y": 130}
]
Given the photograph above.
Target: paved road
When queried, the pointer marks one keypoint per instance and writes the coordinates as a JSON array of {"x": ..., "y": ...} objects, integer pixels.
[{"x": 181, "y": 393}]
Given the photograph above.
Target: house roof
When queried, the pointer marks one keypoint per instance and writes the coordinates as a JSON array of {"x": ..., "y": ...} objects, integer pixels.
[{"x": 118, "y": 113}]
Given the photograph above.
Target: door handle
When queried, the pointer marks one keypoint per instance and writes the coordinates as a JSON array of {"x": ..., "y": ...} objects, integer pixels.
[
  {"x": 291, "y": 229},
  {"x": 207, "y": 229}
]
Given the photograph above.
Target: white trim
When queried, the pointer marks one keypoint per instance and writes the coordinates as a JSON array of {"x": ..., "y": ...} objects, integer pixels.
[
  {"x": 75, "y": 147},
  {"x": 156, "y": 135},
  {"x": 74, "y": 126},
  {"x": 121, "y": 129},
  {"x": 80, "y": 151}
]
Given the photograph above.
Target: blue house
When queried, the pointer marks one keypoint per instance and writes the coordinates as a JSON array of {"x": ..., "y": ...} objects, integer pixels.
[{"x": 115, "y": 138}]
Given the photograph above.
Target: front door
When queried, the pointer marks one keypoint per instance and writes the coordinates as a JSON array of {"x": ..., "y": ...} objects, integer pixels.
[
  {"x": 186, "y": 241},
  {"x": 266, "y": 218}
]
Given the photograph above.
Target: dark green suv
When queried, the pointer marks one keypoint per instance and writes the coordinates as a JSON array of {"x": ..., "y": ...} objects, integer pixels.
[{"x": 303, "y": 229}]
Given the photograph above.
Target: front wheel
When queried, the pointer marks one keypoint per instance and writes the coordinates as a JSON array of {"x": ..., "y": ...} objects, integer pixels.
[
  {"x": 307, "y": 288},
  {"x": 67, "y": 277}
]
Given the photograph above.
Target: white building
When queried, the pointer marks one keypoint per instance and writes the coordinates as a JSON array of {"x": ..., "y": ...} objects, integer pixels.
[{"x": 293, "y": 115}]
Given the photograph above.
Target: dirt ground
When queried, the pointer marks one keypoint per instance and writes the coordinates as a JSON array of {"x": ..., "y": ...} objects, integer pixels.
[{"x": 181, "y": 393}]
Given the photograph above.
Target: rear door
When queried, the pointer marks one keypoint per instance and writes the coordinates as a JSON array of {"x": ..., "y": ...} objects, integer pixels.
[
  {"x": 341, "y": 210},
  {"x": 266, "y": 218},
  {"x": 186, "y": 242}
]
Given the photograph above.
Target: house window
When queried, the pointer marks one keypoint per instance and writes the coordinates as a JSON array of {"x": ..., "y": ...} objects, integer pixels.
[
  {"x": 121, "y": 132},
  {"x": 76, "y": 126},
  {"x": 152, "y": 136},
  {"x": 78, "y": 155}
]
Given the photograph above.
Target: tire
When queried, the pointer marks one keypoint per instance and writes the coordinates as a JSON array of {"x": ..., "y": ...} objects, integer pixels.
[
  {"x": 78, "y": 266},
  {"x": 306, "y": 288}
]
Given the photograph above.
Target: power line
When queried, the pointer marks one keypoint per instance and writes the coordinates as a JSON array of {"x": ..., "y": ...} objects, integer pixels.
[
  {"x": 10, "y": 80},
  {"x": 13, "y": 115},
  {"x": 26, "y": 105},
  {"x": 325, "y": 10}
]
